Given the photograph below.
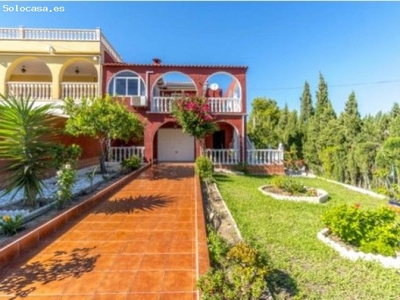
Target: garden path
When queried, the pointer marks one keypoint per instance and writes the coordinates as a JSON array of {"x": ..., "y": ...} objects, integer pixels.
[{"x": 146, "y": 242}]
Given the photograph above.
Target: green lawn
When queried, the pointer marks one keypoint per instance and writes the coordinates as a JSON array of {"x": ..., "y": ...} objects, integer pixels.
[{"x": 304, "y": 267}]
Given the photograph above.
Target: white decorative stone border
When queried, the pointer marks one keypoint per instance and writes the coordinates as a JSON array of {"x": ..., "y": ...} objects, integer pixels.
[
  {"x": 322, "y": 196},
  {"x": 386, "y": 261}
]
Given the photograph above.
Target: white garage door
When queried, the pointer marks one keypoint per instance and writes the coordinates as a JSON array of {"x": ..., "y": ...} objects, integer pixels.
[{"x": 174, "y": 145}]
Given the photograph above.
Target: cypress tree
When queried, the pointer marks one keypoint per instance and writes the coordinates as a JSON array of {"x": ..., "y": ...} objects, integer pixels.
[
  {"x": 351, "y": 119},
  {"x": 306, "y": 106},
  {"x": 323, "y": 107}
]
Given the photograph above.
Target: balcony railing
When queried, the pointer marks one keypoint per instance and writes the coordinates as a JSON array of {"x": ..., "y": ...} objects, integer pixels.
[
  {"x": 118, "y": 154},
  {"x": 162, "y": 104},
  {"x": 34, "y": 90},
  {"x": 79, "y": 90},
  {"x": 264, "y": 156},
  {"x": 223, "y": 156},
  {"x": 225, "y": 105},
  {"x": 22, "y": 33},
  {"x": 217, "y": 105}
]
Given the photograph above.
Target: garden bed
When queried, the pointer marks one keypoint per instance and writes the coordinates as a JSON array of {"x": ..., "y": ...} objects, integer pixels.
[
  {"x": 46, "y": 208},
  {"x": 279, "y": 194},
  {"x": 352, "y": 254},
  {"x": 87, "y": 181}
]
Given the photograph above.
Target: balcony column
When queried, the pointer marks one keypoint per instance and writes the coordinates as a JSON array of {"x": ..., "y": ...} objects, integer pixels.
[
  {"x": 199, "y": 82},
  {"x": 3, "y": 70},
  {"x": 56, "y": 86}
]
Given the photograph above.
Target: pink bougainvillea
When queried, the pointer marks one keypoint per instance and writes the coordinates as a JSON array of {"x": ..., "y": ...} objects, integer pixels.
[{"x": 193, "y": 114}]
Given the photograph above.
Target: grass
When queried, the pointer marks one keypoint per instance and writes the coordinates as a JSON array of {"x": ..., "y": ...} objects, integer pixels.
[{"x": 304, "y": 267}]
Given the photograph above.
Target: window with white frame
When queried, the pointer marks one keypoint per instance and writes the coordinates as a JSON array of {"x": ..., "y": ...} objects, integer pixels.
[{"x": 126, "y": 84}]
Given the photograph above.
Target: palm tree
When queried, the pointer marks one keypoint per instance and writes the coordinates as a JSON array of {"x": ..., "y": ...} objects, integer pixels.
[{"x": 25, "y": 133}]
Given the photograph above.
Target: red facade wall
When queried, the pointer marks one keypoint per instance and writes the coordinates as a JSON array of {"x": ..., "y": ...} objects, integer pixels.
[{"x": 153, "y": 121}]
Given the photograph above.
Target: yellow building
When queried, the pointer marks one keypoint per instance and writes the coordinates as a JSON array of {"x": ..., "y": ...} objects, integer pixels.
[{"x": 52, "y": 64}]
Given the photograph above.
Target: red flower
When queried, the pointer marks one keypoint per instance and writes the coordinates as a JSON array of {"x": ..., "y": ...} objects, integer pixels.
[
  {"x": 208, "y": 118},
  {"x": 357, "y": 205}
]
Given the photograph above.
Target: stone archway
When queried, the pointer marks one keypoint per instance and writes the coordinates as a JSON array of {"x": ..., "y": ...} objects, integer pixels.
[
  {"x": 29, "y": 77},
  {"x": 79, "y": 79}
]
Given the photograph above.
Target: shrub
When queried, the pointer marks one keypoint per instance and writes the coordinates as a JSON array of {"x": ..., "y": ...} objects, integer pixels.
[
  {"x": 372, "y": 231},
  {"x": 289, "y": 185},
  {"x": 10, "y": 225},
  {"x": 132, "y": 163},
  {"x": 62, "y": 154},
  {"x": 204, "y": 168},
  {"x": 217, "y": 246},
  {"x": 242, "y": 275},
  {"x": 26, "y": 131},
  {"x": 66, "y": 177}
]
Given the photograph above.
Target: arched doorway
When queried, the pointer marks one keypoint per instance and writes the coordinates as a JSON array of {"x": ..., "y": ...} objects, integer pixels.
[{"x": 223, "y": 146}]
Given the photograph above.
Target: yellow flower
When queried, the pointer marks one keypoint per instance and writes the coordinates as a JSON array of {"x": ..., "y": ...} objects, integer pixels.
[{"x": 6, "y": 218}]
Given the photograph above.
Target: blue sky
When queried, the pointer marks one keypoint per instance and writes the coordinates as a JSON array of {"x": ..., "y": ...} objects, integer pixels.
[{"x": 355, "y": 45}]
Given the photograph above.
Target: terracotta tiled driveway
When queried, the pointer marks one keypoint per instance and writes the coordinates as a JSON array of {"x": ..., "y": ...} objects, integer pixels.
[{"x": 146, "y": 242}]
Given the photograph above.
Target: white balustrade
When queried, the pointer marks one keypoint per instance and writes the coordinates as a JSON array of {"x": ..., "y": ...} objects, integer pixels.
[
  {"x": 264, "y": 156},
  {"x": 78, "y": 90},
  {"x": 225, "y": 105},
  {"x": 9, "y": 33},
  {"x": 118, "y": 154},
  {"x": 223, "y": 156},
  {"x": 34, "y": 90},
  {"x": 162, "y": 104},
  {"x": 49, "y": 34},
  {"x": 22, "y": 33},
  {"x": 217, "y": 105}
]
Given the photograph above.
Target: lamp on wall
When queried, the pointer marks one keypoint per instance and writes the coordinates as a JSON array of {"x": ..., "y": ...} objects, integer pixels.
[
  {"x": 23, "y": 69},
  {"x": 77, "y": 71}
]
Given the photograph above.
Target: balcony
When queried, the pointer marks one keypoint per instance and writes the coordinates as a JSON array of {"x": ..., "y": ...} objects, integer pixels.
[
  {"x": 42, "y": 91},
  {"x": 87, "y": 35},
  {"x": 217, "y": 105}
]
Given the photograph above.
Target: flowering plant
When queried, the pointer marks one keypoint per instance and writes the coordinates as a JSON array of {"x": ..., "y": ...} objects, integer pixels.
[
  {"x": 11, "y": 224},
  {"x": 65, "y": 181},
  {"x": 193, "y": 114}
]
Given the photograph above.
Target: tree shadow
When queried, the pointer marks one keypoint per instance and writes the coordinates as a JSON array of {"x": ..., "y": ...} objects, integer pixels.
[
  {"x": 282, "y": 284},
  {"x": 258, "y": 176},
  {"x": 61, "y": 265},
  {"x": 131, "y": 204},
  {"x": 222, "y": 177}
]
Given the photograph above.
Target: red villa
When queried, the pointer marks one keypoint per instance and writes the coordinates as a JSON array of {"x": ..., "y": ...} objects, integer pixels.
[{"x": 149, "y": 91}]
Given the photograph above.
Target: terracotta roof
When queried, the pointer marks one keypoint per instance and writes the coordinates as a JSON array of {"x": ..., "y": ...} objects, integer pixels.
[{"x": 173, "y": 66}]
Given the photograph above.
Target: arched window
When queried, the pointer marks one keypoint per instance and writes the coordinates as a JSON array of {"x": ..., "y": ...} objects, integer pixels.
[{"x": 126, "y": 84}]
